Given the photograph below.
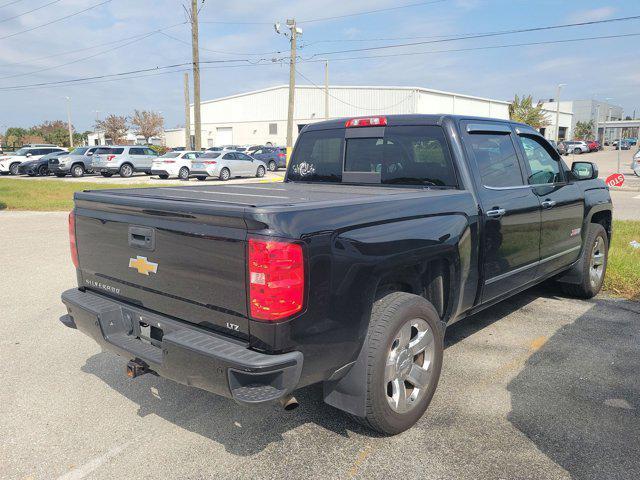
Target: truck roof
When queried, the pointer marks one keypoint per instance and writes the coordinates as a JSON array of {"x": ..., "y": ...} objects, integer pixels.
[{"x": 405, "y": 119}]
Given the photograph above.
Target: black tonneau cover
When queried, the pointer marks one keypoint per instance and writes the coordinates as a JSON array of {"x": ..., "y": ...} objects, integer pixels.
[{"x": 260, "y": 195}]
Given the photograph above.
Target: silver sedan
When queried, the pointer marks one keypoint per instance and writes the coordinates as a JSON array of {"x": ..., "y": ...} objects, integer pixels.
[{"x": 227, "y": 164}]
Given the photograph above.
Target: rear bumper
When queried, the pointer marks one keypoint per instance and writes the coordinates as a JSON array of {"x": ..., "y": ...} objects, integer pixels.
[{"x": 182, "y": 352}]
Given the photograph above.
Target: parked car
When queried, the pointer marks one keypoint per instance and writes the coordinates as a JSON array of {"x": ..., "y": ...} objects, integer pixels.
[
  {"x": 39, "y": 167},
  {"x": 227, "y": 164},
  {"x": 274, "y": 157},
  {"x": 635, "y": 163},
  {"x": 594, "y": 145},
  {"x": 631, "y": 141},
  {"x": 625, "y": 145},
  {"x": 385, "y": 231},
  {"x": 124, "y": 160},
  {"x": 174, "y": 164},
  {"x": 575, "y": 146},
  {"x": 10, "y": 163},
  {"x": 76, "y": 163}
]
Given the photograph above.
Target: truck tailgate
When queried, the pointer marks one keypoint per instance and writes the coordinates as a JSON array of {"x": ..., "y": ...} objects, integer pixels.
[{"x": 187, "y": 265}]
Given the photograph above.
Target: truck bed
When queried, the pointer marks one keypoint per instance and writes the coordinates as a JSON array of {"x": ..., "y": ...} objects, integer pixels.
[{"x": 257, "y": 195}]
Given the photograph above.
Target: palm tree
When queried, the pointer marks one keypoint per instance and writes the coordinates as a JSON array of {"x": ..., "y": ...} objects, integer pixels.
[{"x": 524, "y": 111}]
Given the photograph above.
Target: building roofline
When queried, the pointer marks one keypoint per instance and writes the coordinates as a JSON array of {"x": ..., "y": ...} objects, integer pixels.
[{"x": 371, "y": 87}]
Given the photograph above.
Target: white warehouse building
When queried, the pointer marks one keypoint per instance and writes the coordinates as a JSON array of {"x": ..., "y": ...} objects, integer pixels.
[{"x": 260, "y": 116}]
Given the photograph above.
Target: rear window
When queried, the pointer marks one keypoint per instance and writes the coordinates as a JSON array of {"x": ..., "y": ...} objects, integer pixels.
[
  {"x": 210, "y": 155},
  {"x": 171, "y": 155},
  {"x": 406, "y": 155}
]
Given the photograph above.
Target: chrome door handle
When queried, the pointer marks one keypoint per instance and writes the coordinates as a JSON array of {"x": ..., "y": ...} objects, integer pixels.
[
  {"x": 496, "y": 213},
  {"x": 548, "y": 203}
]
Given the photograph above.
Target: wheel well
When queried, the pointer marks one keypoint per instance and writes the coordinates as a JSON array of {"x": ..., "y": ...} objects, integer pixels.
[
  {"x": 78, "y": 163},
  {"x": 604, "y": 219},
  {"x": 430, "y": 280}
]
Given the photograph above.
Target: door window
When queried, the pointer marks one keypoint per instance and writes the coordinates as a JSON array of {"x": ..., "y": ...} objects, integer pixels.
[
  {"x": 229, "y": 156},
  {"x": 242, "y": 156},
  {"x": 136, "y": 151},
  {"x": 149, "y": 151},
  {"x": 496, "y": 158},
  {"x": 544, "y": 168}
]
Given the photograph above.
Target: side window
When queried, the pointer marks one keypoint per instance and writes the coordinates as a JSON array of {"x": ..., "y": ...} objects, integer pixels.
[
  {"x": 38, "y": 151},
  {"x": 149, "y": 151},
  {"x": 243, "y": 156},
  {"x": 496, "y": 158},
  {"x": 543, "y": 167},
  {"x": 229, "y": 156},
  {"x": 136, "y": 151}
]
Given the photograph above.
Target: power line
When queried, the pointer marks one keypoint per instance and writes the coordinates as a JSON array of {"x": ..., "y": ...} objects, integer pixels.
[
  {"x": 483, "y": 35},
  {"x": 56, "y": 20},
  {"x": 45, "y": 69},
  {"x": 220, "y": 22},
  {"x": 25, "y": 13},
  {"x": 69, "y": 52},
  {"x": 470, "y": 49},
  {"x": 10, "y": 3},
  {"x": 336, "y": 17},
  {"x": 219, "y": 51}
]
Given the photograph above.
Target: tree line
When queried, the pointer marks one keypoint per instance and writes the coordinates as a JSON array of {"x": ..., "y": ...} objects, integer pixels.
[{"x": 115, "y": 127}]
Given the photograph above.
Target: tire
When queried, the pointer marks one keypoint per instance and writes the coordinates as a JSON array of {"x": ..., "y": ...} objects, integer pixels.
[
  {"x": 61, "y": 175},
  {"x": 106, "y": 174},
  {"x": 13, "y": 168},
  {"x": 183, "y": 174},
  {"x": 163, "y": 176},
  {"x": 594, "y": 264},
  {"x": 77, "y": 170},
  {"x": 201, "y": 178},
  {"x": 43, "y": 170},
  {"x": 260, "y": 172},
  {"x": 577, "y": 151},
  {"x": 272, "y": 166},
  {"x": 126, "y": 170},
  {"x": 396, "y": 322},
  {"x": 225, "y": 174}
]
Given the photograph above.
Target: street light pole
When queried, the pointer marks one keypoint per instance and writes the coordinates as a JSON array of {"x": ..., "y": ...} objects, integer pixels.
[
  {"x": 560, "y": 85},
  {"x": 69, "y": 122},
  {"x": 326, "y": 89}
]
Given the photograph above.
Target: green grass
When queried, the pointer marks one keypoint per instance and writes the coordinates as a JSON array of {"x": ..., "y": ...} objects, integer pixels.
[
  {"x": 623, "y": 270},
  {"x": 48, "y": 195}
]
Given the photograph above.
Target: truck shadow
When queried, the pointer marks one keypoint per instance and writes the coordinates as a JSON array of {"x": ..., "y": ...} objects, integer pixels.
[{"x": 578, "y": 397}]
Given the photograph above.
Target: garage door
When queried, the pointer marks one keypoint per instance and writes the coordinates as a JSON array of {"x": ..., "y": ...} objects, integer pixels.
[{"x": 224, "y": 136}]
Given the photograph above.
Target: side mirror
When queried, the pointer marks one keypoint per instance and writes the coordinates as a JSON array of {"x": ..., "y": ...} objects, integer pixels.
[
  {"x": 584, "y": 170},
  {"x": 28, "y": 155}
]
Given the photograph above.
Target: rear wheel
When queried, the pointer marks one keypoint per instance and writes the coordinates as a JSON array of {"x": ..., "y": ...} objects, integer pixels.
[
  {"x": 126, "y": 170},
  {"x": 404, "y": 357},
  {"x": 272, "y": 166},
  {"x": 183, "y": 174},
  {"x": 77, "y": 170},
  {"x": 261, "y": 171},
  {"x": 13, "y": 168},
  {"x": 594, "y": 264},
  {"x": 163, "y": 176},
  {"x": 225, "y": 174},
  {"x": 106, "y": 174},
  {"x": 577, "y": 151},
  {"x": 43, "y": 170}
]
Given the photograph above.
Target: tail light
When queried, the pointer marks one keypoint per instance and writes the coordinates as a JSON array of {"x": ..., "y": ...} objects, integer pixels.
[
  {"x": 276, "y": 279},
  {"x": 209, "y": 162},
  {"x": 366, "y": 122},
  {"x": 72, "y": 238},
  {"x": 281, "y": 155},
  {"x": 110, "y": 157},
  {"x": 168, "y": 161}
]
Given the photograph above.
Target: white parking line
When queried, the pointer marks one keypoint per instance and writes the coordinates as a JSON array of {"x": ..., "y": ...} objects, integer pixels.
[
  {"x": 83, "y": 471},
  {"x": 637, "y": 197}
]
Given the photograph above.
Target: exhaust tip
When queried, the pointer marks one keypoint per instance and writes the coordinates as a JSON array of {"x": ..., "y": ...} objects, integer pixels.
[{"x": 289, "y": 403}]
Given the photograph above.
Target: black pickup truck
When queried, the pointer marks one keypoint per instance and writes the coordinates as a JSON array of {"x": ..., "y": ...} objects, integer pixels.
[{"x": 385, "y": 231}]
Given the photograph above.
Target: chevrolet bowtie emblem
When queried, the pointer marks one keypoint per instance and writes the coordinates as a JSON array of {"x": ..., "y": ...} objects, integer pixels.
[{"x": 143, "y": 265}]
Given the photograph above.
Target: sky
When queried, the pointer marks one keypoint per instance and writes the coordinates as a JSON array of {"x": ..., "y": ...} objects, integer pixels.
[{"x": 240, "y": 51}]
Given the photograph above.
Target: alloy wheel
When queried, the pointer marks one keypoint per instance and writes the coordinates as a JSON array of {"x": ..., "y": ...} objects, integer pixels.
[
  {"x": 597, "y": 262},
  {"x": 408, "y": 365}
]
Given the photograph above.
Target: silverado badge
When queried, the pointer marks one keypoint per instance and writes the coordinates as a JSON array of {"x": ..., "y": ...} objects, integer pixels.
[{"x": 143, "y": 265}]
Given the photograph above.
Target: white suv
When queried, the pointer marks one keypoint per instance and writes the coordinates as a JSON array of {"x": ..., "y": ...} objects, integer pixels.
[
  {"x": 10, "y": 163},
  {"x": 123, "y": 159}
]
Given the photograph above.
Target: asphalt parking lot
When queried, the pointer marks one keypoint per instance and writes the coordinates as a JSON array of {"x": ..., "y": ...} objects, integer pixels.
[{"x": 539, "y": 386}]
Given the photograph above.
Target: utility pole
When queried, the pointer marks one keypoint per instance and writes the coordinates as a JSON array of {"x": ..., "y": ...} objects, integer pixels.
[
  {"x": 196, "y": 75},
  {"x": 69, "y": 122},
  {"x": 187, "y": 114},
  {"x": 597, "y": 121},
  {"x": 326, "y": 89},
  {"x": 558, "y": 112}
]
